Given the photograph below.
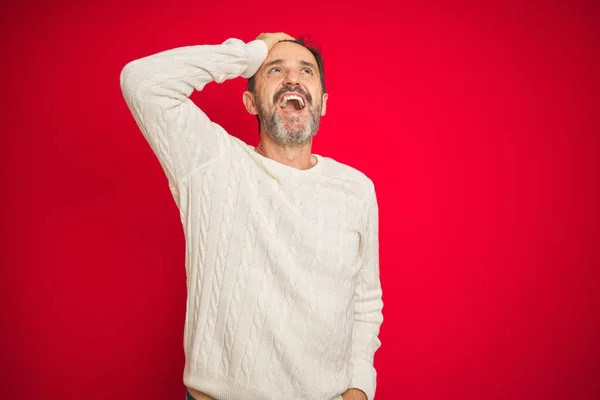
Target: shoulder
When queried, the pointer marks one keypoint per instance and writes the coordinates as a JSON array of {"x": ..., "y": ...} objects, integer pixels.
[{"x": 344, "y": 172}]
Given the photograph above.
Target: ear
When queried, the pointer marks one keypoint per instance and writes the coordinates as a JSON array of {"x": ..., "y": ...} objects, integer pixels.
[
  {"x": 324, "y": 107},
  {"x": 250, "y": 103}
]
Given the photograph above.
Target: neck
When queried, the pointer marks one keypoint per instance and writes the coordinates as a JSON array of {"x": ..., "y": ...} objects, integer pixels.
[{"x": 295, "y": 156}]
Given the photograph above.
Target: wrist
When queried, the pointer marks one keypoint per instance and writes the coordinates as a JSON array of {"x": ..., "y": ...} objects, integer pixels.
[{"x": 258, "y": 52}]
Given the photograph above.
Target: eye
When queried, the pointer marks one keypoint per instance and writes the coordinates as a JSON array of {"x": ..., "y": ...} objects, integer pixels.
[
  {"x": 307, "y": 71},
  {"x": 275, "y": 70}
]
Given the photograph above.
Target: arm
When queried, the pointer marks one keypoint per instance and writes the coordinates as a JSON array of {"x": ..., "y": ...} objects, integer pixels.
[
  {"x": 367, "y": 311},
  {"x": 157, "y": 89}
]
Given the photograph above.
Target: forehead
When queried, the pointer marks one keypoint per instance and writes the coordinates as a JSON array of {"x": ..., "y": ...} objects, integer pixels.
[{"x": 290, "y": 52}]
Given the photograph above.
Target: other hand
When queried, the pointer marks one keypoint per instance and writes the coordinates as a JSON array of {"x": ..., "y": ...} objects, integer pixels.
[
  {"x": 354, "y": 394},
  {"x": 271, "y": 39}
]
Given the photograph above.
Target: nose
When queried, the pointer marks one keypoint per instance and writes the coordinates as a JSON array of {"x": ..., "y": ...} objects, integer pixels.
[{"x": 292, "y": 78}]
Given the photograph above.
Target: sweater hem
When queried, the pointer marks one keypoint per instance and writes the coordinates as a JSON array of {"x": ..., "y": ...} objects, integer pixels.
[{"x": 223, "y": 387}]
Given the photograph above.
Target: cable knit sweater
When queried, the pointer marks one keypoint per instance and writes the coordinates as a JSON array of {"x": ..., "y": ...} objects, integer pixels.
[{"x": 284, "y": 299}]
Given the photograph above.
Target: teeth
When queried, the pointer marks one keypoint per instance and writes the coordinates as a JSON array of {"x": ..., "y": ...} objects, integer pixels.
[{"x": 292, "y": 97}]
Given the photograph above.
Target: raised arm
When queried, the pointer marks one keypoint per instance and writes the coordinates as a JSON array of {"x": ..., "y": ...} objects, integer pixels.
[
  {"x": 367, "y": 309},
  {"x": 157, "y": 89}
]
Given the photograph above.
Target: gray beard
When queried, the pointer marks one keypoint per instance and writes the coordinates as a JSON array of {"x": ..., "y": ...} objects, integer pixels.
[{"x": 276, "y": 128}]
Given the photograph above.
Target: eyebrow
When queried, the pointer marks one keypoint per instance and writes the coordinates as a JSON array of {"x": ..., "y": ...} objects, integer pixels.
[
  {"x": 308, "y": 64},
  {"x": 281, "y": 61}
]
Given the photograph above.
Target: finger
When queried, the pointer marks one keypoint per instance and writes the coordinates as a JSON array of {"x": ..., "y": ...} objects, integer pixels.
[{"x": 282, "y": 36}]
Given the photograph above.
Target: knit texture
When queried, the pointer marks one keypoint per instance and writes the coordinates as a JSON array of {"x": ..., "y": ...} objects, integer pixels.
[{"x": 284, "y": 299}]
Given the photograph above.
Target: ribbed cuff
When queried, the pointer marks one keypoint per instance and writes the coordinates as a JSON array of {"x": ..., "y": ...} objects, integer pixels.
[
  {"x": 258, "y": 52},
  {"x": 364, "y": 377}
]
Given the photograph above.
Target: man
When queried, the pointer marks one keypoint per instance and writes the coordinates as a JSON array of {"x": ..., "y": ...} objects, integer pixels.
[{"x": 284, "y": 299}]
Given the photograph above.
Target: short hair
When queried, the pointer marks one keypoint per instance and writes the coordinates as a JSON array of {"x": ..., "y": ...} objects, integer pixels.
[{"x": 318, "y": 58}]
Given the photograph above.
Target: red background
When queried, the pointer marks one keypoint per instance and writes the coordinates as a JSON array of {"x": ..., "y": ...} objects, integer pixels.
[{"x": 478, "y": 124}]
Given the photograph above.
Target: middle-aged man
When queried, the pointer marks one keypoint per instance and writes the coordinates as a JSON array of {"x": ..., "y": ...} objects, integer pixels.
[{"x": 282, "y": 260}]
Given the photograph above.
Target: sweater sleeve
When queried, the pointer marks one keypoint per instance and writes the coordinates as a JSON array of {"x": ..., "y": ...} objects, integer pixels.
[
  {"x": 157, "y": 89},
  {"x": 367, "y": 308}
]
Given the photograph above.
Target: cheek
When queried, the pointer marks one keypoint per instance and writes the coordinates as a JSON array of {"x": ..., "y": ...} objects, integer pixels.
[
  {"x": 317, "y": 97},
  {"x": 267, "y": 99},
  {"x": 268, "y": 91},
  {"x": 314, "y": 88}
]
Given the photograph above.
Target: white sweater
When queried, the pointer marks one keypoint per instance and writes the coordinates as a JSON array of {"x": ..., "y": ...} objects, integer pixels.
[{"x": 284, "y": 299}]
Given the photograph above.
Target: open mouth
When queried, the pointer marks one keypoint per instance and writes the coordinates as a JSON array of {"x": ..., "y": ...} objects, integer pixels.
[{"x": 292, "y": 102}]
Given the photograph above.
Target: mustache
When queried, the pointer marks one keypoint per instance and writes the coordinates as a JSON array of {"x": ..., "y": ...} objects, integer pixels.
[{"x": 295, "y": 89}]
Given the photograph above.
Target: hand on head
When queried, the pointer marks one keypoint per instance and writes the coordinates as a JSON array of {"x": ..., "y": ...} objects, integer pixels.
[{"x": 271, "y": 39}]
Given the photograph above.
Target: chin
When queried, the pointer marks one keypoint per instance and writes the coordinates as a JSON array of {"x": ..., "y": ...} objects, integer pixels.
[{"x": 292, "y": 138}]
